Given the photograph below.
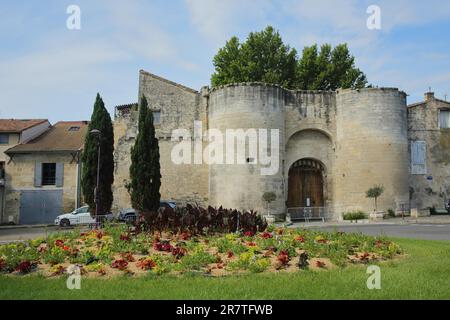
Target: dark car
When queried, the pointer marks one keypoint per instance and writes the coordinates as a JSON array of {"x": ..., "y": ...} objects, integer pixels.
[{"x": 129, "y": 215}]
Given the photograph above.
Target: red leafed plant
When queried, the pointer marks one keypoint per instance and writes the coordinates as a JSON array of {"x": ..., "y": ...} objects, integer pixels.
[
  {"x": 230, "y": 254},
  {"x": 2, "y": 265},
  {"x": 163, "y": 246},
  {"x": 178, "y": 252},
  {"x": 25, "y": 267},
  {"x": 364, "y": 257},
  {"x": 266, "y": 235},
  {"x": 120, "y": 264},
  {"x": 283, "y": 257},
  {"x": 320, "y": 264},
  {"x": 248, "y": 234},
  {"x": 300, "y": 239},
  {"x": 251, "y": 244},
  {"x": 325, "y": 241},
  {"x": 66, "y": 248},
  {"x": 127, "y": 256},
  {"x": 125, "y": 237},
  {"x": 185, "y": 236},
  {"x": 59, "y": 243},
  {"x": 146, "y": 264}
]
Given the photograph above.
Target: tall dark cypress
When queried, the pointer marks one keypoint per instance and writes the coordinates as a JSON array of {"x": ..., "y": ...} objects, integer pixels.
[
  {"x": 145, "y": 172},
  {"x": 100, "y": 120}
]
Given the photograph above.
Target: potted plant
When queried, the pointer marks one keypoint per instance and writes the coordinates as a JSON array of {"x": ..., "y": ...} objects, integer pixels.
[
  {"x": 374, "y": 193},
  {"x": 269, "y": 197}
]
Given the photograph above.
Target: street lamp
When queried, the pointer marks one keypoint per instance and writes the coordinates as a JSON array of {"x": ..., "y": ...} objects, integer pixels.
[{"x": 98, "y": 134}]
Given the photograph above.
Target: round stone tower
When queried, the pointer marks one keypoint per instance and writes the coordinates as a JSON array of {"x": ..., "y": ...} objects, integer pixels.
[
  {"x": 372, "y": 149},
  {"x": 248, "y": 110}
]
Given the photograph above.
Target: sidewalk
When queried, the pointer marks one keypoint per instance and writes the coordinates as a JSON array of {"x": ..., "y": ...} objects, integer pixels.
[
  {"x": 433, "y": 220},
  {"x": 26, "y": 226}
]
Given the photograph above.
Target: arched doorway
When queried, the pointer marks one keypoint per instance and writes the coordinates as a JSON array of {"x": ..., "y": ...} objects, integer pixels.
[{"x": 306, "y": 184}]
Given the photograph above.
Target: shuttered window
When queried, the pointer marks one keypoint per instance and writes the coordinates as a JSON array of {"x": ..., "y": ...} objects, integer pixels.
[
  {"x": 156, "y": 117},
  {"x": 4, "y": 138},
  {"x": 418, "y": 157},
  {"x": 444, "y": 119}
]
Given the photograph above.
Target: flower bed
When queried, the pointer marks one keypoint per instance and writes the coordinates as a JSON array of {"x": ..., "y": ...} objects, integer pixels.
[{"x": 114, "y": 251}]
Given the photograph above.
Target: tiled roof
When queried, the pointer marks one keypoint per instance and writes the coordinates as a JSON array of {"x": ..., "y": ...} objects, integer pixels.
[
  {"x": 19, "y": 125},
  {"x": 64, "y": 136}
]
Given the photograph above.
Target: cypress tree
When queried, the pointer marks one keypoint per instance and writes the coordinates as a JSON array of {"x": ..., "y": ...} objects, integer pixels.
[
  {"x": 100, "y": 120},
  {"x": 145, "y": 173}
]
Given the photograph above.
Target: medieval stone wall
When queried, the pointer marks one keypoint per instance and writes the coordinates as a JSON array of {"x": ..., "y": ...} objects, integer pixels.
[{"x": 431, "y": 187}]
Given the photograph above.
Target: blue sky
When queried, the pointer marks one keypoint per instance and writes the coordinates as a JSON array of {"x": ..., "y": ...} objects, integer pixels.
[{"x": 48, "y": 71}]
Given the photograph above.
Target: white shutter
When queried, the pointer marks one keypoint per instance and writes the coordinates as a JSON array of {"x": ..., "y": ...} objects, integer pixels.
[
  {"x": 444, "y": 119},
  {"x": 418, "y": 157}
]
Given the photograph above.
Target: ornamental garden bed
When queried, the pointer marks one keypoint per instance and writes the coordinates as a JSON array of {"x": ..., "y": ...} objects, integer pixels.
[{"x": 115, "y": 251}]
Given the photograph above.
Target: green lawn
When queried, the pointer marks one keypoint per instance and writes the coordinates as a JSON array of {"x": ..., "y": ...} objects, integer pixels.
[{"x": 423, "y": 274}]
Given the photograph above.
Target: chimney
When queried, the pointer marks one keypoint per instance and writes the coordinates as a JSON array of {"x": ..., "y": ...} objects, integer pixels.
[{"x": 429, "y": 96}]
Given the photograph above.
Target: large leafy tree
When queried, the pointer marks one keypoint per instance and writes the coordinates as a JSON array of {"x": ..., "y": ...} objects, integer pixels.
[
  {"x": 329, "y": 69},
  {"x": 145, "y": 172},
  {"x": 101, "y": 121},
  {"x": 264, "y": 57}
]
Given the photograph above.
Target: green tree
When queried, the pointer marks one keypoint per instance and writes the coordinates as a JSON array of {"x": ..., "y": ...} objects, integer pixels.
[
  {"x": 145, "y": 173},
  {"x": 374, "y": 193},
  {"x": 263, "y": 57},
  {"x": 329, "y": 69},
  {"x": 100, "y": 120}
]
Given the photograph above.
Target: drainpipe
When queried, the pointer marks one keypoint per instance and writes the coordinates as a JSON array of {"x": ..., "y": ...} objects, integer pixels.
[{"x": 78, "y": 195}]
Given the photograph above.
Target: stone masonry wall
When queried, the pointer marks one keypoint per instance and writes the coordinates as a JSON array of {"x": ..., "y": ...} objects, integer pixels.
[{"x": 433, "y": 188}]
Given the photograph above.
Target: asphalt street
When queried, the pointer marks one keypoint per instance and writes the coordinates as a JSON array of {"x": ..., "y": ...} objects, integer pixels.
[{"x": 412, "y": 231}]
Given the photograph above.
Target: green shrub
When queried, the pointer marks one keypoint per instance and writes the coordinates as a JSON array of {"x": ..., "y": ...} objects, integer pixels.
[
  {"x": 391, "y": 213},
  {"x": 356, "y": 215}
]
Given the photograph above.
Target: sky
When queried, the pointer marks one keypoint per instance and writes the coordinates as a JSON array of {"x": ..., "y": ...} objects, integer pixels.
[{"x": 49, "y": 71}]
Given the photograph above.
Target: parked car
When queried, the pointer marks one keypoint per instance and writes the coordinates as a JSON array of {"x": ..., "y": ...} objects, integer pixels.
[
  {"x": 130, "y": 215},
  {"x": 79, "y": 216}
]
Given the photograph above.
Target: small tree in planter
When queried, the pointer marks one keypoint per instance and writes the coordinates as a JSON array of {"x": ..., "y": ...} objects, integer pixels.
[
  {"x": 269, "y": 197},
  {"x": 374, "y": 193}
]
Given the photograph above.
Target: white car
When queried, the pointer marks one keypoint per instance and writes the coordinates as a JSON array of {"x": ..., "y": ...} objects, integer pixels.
[{"x": 78, "y": 217}]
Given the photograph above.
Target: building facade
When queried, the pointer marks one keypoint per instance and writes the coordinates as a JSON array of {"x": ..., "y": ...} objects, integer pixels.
[
  {"x": 43, "y": 175},
  {"x": 12, "y": 133},
  {"x": 429, "y": 136},
  {"x": 332, "y": 147}
]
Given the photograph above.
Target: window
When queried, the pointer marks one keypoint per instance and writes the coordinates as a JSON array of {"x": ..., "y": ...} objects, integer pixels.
[
  {"x": 156, "y": 117},
  {"x": 4, "y": 138},
  {"x": 444, "y": 119},
  {"x": 49, "y": 174},
  {"x": 2, "y": 170}
]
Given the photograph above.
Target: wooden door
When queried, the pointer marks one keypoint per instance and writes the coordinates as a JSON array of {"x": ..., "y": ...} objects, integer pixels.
[{"x": 304, "y": 183}]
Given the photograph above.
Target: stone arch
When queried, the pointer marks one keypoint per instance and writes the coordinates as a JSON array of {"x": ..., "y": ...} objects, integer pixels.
[{"x": 315, "y": 147}]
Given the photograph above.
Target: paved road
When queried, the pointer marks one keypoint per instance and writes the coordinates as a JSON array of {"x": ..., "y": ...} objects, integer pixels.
[
  {"x": 9, "y": 235},
  {"x": 413, "y": 231}
]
